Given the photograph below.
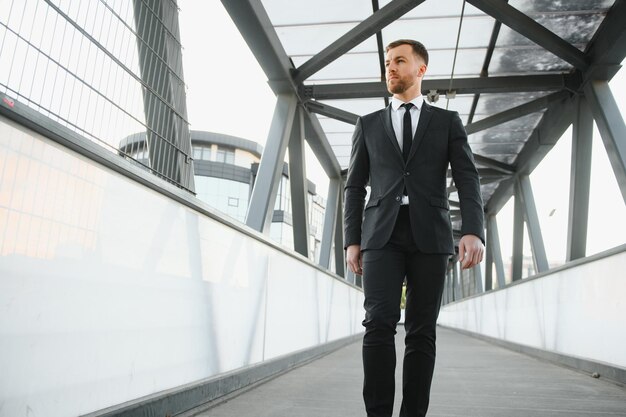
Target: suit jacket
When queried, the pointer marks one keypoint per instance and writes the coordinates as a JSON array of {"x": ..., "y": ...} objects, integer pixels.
[{"x": 376, "y": 158}]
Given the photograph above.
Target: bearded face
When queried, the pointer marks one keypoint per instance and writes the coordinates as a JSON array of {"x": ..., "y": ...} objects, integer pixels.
[{"x": 404, "y": 69}]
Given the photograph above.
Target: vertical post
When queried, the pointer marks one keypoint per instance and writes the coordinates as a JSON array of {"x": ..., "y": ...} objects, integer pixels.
[
  {"x": 456, "y": 280},
  {"x": 488, "y": 259},
  {"x": 299, "y": 186},
  {"x": 611, "y": 126},
  {"x": 330, "y": 216},
  {"x": 580, "y": 178},
  {"x": 340, "y": 261},
  {"x": 518, "y": 235},
  {"x": 478, "y": 280},
  {"x": 263, "y": 197},
  {"x": 493, "y": 239},
  {"x": 534, "y": 227}
]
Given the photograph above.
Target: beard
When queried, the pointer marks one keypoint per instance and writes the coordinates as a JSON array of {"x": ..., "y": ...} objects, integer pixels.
[{"x": 400, "y": 86}]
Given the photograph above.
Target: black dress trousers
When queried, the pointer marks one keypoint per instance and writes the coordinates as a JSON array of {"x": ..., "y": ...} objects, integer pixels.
[{"x": 384, "y": 271}]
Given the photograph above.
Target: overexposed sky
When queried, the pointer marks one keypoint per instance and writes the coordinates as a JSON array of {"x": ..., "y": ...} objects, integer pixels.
[{"x": 228, "y": 93}]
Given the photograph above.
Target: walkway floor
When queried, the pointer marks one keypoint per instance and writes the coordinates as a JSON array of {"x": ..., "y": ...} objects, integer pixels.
[{"x": 473, "y": 378}]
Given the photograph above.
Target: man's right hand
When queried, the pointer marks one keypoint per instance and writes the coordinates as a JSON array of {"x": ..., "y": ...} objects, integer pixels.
[{"x": 353, "y": 258}]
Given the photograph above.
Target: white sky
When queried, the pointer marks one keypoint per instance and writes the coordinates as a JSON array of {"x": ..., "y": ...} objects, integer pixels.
[{"x": 228, "y": 93}]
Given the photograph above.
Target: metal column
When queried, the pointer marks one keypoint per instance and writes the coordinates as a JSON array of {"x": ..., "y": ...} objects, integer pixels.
[
  {"x": 534, "y": 227},
  {"x": 493, "y": 241},
  {"x": 340, "y": 261},
  {"x": 330, "y": 217},
  {"x": 518, "y": 235},
  {"x": 611, "y": 126},
  {"x": 580, "y": 177},
  {"x": 263, "y": 197},
  {"x": 298, "y": 185}
]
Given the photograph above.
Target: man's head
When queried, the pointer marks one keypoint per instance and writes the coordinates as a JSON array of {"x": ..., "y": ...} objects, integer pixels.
[{"x": 405, "y": 64}]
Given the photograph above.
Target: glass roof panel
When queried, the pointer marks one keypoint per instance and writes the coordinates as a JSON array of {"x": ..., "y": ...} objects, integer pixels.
[
  {"x": 531, "y": 6},
  {"x": 289, "y": 12},
  {"x": 336, "y": 126},
  {"x": 513, "y": 131},
  {"x": 469, "y": 62},
  {"x": 490, "y": 104},
  {"x": 342, "y": 80},
  {"x": 475, "y": 32},
  {"x": 311, "y": 39},
  {"x": 526, "y": 61}
]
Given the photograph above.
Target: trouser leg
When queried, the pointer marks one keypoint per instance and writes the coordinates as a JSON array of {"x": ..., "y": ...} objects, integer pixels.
[
  {"x": 425, "y": 279},
  {"x": 383, "y": 276}
]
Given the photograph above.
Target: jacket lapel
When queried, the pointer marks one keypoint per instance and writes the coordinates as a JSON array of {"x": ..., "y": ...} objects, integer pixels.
[
  {"x": 386, "y": 116},
  {"x": 425, "y": 115}
]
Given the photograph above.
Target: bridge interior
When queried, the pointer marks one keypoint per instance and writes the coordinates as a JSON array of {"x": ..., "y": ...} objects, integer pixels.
[{"x": 122, "y": 293}]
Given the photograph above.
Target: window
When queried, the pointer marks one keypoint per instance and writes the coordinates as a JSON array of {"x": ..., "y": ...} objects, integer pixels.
[{"x": 225, "y": 155}]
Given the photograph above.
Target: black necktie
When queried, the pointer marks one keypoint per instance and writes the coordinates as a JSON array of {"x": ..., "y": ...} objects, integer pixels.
[{"x": 407, "y": 131}]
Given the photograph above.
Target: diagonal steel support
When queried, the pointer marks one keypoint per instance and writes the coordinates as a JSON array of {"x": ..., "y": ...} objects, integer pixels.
[
  {"x": 317, "y": 140},
  {"x": 263, "y": 197},
  {"x": 534, "y": 227},
  {"x": 580, "y": 176},
  {"x": 298, "y": 185},
  {"x": 332, "y": 112},
  {"x": 330, "y": 217},
  {"x": 611, "y": 126},
  {"x": 516, "y": 112},
  {"x": 526, "y": 26},
  {"x": 355, "y": 36}
]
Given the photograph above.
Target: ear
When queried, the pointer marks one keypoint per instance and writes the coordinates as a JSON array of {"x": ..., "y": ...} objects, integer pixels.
[{"x": 421, "y": 71}]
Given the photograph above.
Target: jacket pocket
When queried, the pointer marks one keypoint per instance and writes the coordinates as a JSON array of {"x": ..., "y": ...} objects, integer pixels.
[
  {"x": 440, "y": 202},
  {"x": 373, "y": 202}
]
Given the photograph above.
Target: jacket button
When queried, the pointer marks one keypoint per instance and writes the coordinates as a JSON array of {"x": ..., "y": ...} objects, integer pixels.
[
  {"x": 398, "y": 198},
  {"x": 406, "y": 174}
]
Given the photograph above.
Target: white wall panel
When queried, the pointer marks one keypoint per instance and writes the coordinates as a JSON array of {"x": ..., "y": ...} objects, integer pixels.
[
  {"x": 110, "y": 291},
  {"x": 577, "y": 311}
]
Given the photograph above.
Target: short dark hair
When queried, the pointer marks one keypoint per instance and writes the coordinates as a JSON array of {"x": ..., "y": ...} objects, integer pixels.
[{"x": 418, "y": 48}]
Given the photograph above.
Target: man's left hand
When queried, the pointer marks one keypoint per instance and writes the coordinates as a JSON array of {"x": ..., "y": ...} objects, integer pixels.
[{"x": 471, "y": 251}]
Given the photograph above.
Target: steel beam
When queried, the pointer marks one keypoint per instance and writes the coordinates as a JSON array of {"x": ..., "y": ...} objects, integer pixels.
[
  {"x": 261, "y": 207},
  {"x": 355, "y": 36},
  {"x": 330, "y": 218},
  {"x": 611, "y": 126},
  {"x": 506, "y": 84},
  {"x": 493, "y": 247},
  {"x": 518, "y": 235},
  {"x": 516, "y": 112},
  {"x": 298, "y": 185},
  {"x": 256, "y": 29},
  {"x": 526, "y": 26},
  {"x": 580, "y": 177},
  {"x": 533, "y": 224}
]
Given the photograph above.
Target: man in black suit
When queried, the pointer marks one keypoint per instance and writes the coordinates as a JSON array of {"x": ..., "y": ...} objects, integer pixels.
[{"x": 403, "y": 152}]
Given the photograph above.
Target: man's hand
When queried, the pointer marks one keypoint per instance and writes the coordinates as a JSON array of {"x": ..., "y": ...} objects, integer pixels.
[
  {"x": 353, "y": 258},
  {"x": 471, "y": 251}
]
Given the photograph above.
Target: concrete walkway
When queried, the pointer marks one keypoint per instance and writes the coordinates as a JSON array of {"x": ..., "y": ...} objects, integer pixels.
[{"x": 473, "y": 378}]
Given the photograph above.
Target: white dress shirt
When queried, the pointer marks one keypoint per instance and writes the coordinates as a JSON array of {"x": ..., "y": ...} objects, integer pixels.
[
  {"x": 397, "y": 119},
  {"x": 397, "y": 116}
]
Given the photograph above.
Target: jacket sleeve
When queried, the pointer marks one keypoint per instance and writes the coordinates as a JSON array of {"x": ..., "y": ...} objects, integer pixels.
[
  {"x": 358, "y": 176},
  {"x": 466, "y": 180}
]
